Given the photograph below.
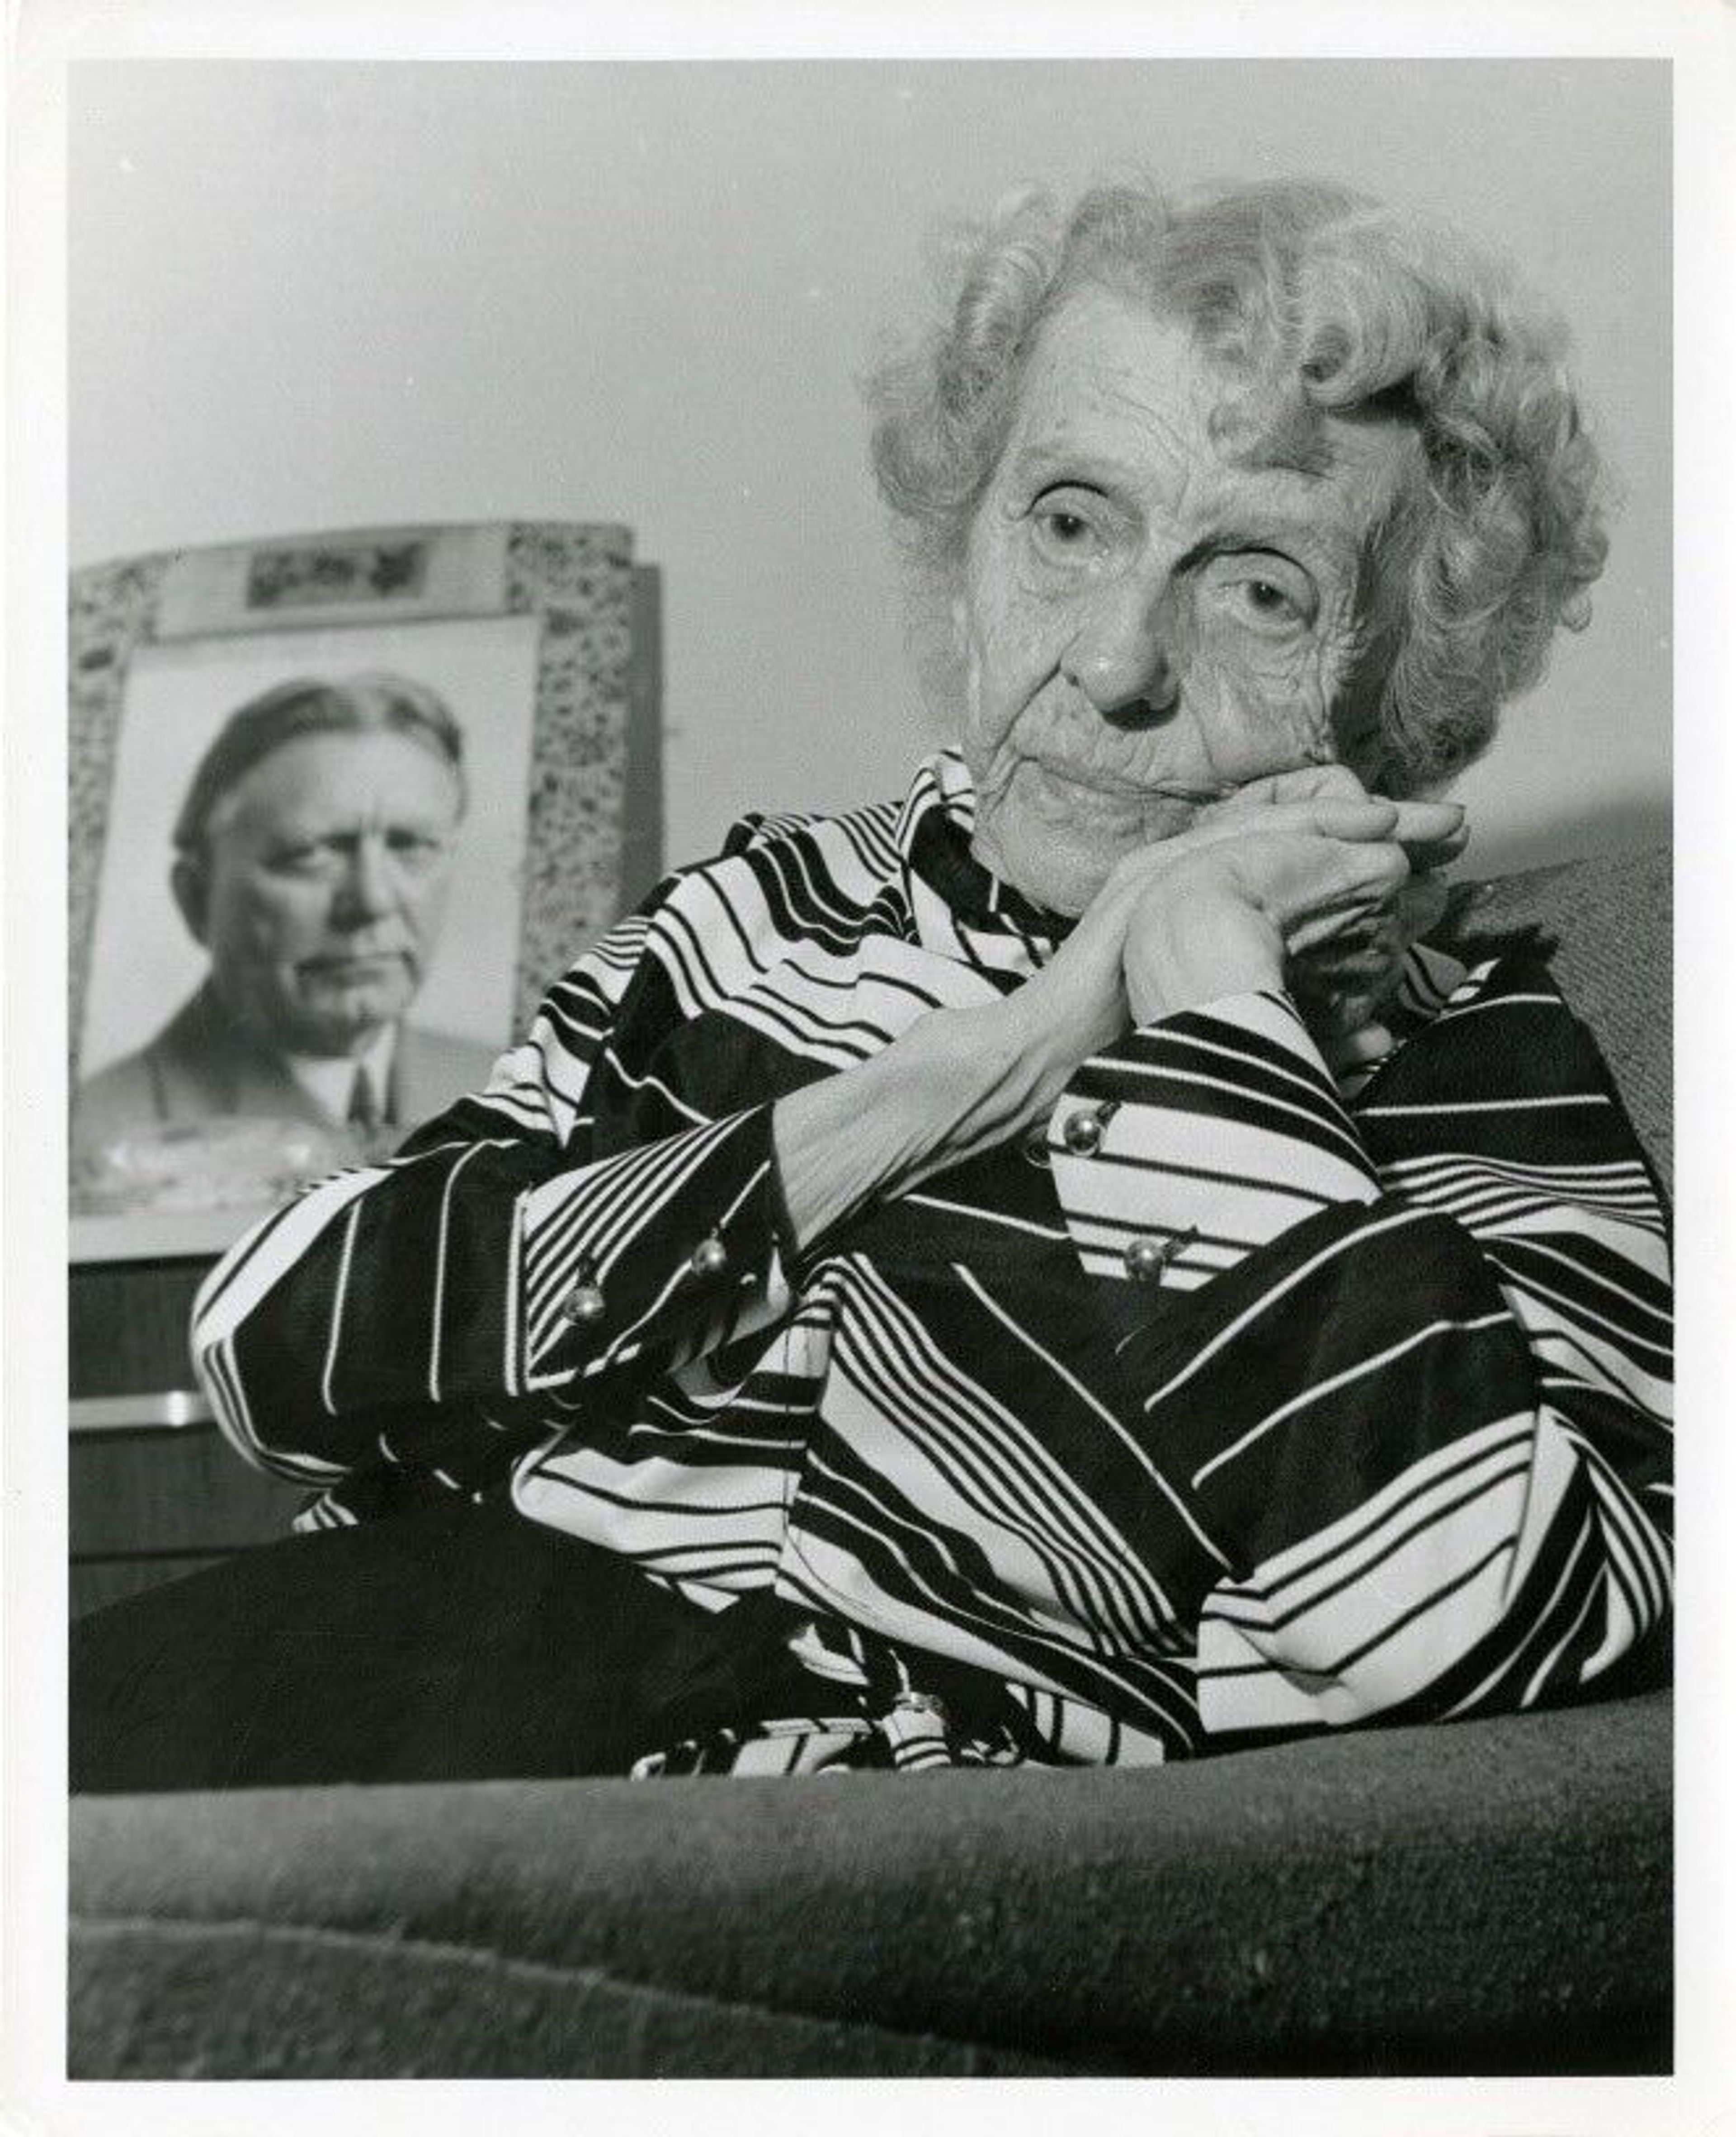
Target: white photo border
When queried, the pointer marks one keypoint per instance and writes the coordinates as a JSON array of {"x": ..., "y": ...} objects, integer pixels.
[{"x": 1699, "y": 2098}]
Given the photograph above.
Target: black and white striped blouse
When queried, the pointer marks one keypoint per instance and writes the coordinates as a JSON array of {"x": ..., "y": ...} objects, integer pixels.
[{"x": 1244, "y": 1404}]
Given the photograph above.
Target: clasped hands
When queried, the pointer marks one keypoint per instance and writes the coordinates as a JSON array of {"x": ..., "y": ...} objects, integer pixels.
[{"x": 1302, "y": 881}]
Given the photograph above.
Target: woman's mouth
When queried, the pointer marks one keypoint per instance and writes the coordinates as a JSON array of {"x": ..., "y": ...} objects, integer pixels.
[{"x": 1133, "y": 793}]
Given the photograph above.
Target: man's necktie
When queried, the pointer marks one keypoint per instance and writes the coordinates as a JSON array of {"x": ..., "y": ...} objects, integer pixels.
[{"x": 364, "y": 1112}]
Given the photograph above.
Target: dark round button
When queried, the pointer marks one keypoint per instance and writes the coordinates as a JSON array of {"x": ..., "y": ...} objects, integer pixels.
[
  {"x": 710, "y": 1258},
  {"x": 584, "y": 1302},
  {"x": 1081, "y": 1132},
  {"x": 1146, "y": 1258}
]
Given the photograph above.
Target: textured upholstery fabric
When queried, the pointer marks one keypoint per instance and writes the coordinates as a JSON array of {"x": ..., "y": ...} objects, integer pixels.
[
  {"x": 322, "y": 2004},
  {"x": 1493, "y": 1897},
  {"x": 1605, "y": 925}
]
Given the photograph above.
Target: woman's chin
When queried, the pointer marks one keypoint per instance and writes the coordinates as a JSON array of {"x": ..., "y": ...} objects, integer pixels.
[{"x": 1061, "y": 856}]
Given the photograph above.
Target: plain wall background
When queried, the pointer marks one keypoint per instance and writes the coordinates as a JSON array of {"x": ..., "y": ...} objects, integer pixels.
[{"x": 309, "y": 295}]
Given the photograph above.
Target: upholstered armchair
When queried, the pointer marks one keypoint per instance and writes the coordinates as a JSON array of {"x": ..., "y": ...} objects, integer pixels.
[{"x": 1493, "y": 1896}]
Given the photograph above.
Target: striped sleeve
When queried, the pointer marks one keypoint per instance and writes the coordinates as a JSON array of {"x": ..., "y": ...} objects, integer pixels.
[
  {"x": 579, "y": 1217},
  {"x": 1409, "y": 1364},
  {"x": 1204, "y": 1137}
]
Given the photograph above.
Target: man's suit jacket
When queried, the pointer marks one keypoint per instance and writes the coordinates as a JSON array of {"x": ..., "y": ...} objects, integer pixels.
[{"x": 199, "y": 1067}]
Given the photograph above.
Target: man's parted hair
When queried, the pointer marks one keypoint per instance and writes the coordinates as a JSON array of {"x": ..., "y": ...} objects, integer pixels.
[
  {"x": 361, "y": 704},
  {"x": 1315, "y": 300}
]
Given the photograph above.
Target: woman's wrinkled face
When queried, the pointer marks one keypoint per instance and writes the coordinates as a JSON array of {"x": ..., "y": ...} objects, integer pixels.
[{"x": 1145, "y": 623}]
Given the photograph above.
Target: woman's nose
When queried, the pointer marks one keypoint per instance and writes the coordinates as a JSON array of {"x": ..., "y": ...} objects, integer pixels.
[{"x": 1121, "y": 658}]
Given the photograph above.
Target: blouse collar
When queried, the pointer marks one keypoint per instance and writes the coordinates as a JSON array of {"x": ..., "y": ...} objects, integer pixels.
[{"x": 934, "y": 833}]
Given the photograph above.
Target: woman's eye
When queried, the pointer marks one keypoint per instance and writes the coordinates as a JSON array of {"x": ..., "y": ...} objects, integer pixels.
[
  {"x": 1266, "y": 599},
  {"x": 1270, "y": 605},
  {"x": 1065, "y": 535}
]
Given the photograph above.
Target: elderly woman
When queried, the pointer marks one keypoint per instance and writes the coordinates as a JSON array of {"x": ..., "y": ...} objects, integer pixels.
[{"x": 1043, "y": 1268}]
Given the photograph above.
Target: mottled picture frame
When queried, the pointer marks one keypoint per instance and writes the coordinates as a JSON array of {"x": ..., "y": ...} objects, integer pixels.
[{"x": 591, "y": 835}]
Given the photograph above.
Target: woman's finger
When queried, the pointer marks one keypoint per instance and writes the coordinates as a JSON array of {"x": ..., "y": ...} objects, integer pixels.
[
  {"x": 1421, "y": 905},
  {"x": 1429, "y": 823},
  {"x": 1426, "y": 857},
  {"x": 1359, "y": 1048},
  {"x": 1342, "y": 982},
  {"x": 1329, "y": 826},
  {"x": 1419, "y": 824},
  {"x": 1344, "y": 1026},
  {"x": 1313, "y": 782}
]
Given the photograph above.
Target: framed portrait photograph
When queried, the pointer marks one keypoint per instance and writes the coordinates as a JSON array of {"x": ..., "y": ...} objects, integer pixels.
[{"x": 311, "y": 779}]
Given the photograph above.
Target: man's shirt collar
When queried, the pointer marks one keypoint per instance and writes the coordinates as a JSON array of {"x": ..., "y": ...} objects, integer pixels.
[{"x": 330, "y": 1080}]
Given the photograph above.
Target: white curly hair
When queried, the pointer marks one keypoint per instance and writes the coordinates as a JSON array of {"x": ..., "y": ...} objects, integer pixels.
[{"x": 1315, "y": 300}]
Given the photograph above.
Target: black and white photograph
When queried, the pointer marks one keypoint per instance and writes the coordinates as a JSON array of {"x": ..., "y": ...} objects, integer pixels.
[
  {"x": 302, "y": 782},
  {"x": 310, "y": 833},
  {"x": 872, "y": 1080}
]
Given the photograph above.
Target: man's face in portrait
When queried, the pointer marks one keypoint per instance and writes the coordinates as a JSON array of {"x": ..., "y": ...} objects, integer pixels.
[{"x": 325, "y": 876}]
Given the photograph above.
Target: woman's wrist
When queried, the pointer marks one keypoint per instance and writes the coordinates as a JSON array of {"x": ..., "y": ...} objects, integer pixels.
[
  {"x": 1188, "y": 952},
  {"x": 959, "y": 1082}
]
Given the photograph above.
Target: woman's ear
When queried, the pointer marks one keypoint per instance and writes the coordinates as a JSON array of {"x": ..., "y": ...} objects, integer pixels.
[{"x": 187, "y": 882}]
